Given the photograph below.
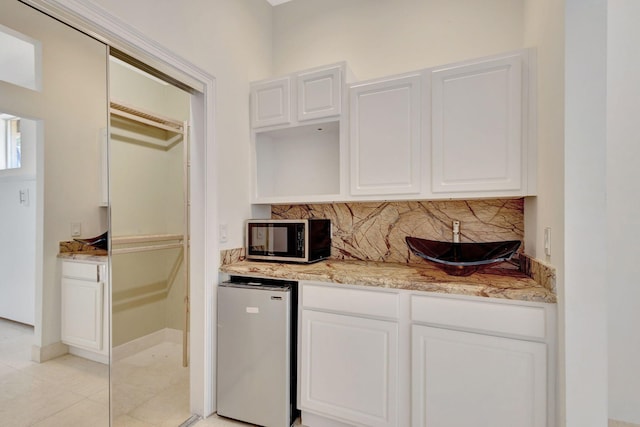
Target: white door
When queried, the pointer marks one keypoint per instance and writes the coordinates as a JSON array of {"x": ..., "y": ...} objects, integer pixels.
[
  {"x": 320, "y": 94},
  {"x": 270, "y": 102},
  {"x": 82, "y": 313},
  {"x": 349, "y": 368},
  {"x": 477, "y": 127},
  {"x": 462, "y": 379},
  {"x": 386, "y": 155}
]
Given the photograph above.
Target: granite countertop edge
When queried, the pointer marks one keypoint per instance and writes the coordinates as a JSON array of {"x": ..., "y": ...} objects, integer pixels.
[{"x": 495, "y": 282}]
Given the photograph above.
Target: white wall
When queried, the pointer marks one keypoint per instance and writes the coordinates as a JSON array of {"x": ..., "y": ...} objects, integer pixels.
[
  {"x": 583, "y": 297},
  {"x": 623, "y": 209},
  {"x": 379, "y": 38},
  {"x": 230, "y": 39}
]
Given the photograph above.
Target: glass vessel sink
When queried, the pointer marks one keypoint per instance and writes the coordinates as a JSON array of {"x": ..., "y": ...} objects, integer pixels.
[
  {"x": 99, "y": 242},
  {"x": 462, "y": 259}
]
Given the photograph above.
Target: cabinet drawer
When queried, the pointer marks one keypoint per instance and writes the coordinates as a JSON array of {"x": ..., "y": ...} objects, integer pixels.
[
  {"x": 509, "y": 319},
  {"x": 349, "y": 300},
  {"x": 80, "y": 270}
]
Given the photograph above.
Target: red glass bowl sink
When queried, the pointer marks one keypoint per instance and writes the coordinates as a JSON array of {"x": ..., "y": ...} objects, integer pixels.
[{"x": 462, "y": 259}]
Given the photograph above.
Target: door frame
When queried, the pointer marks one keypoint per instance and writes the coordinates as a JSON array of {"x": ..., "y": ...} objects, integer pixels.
[{"x": 204, "y": 253}]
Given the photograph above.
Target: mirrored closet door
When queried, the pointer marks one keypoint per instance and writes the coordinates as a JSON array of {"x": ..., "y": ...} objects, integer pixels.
[
  {"x": 54, "y": 337},
  {"x": 148, "y": 149}
]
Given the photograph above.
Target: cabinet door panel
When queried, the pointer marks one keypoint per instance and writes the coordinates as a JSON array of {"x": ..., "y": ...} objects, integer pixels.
[
  {"x": 319, "y": 94},
  {"x": 385, "y": 140},
  {"x": 349, "y": 368},
  {"x": 462, "y": 379},
  {"x": 477, "y": 126},
  {"x": 270, "y": 103},
  {"x": 82, "y": 313}
]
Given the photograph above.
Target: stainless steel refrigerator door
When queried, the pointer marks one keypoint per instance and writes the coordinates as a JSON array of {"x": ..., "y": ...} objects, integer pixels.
[{"x": 254, "y": 342}]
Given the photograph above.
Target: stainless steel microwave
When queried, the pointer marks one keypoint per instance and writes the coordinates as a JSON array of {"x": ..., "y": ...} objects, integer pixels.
[{"x": 289, "y": 240}]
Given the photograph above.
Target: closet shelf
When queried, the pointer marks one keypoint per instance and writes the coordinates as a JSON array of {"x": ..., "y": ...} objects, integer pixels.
[{"x": 136, "y": 114}]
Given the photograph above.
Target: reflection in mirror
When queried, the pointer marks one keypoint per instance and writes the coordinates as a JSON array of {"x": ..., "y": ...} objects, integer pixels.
[
  {"x": 19, "y": 59},
  {"x": 53, "y": 365},
  {"x": 9, "y": 141}
]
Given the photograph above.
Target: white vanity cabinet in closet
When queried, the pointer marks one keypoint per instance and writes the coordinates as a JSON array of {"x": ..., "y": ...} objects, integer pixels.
[
  {"x": 482, "y": 363},
  {"x": 348, "y": 356},
  {"x": 386, "y": 141},
  {"x": 480, "y": 121},
  {"x": 85, "y": 310}
]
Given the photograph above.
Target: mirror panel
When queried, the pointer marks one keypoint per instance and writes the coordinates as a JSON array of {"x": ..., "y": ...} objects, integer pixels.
[{"x": 44, "y": 377}]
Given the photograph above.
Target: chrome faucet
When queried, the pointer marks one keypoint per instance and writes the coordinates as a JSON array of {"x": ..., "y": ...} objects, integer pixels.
[{"x": 456, "y": 231}]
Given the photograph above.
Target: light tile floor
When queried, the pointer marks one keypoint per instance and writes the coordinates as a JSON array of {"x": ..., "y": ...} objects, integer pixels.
[
  {"x": 64, "y": 391},
  {"x": 151, "y": 388}
]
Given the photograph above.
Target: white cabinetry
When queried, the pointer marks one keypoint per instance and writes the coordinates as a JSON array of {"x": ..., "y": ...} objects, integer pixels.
[
  {"x": 298, "y": 136},
  {"x": 85, "y": 310},
  {"x": 349, "y": 356},
  {"x": 479, "y": 128},
  {"x": 270, "y": 102},
  {"x": 480, "y": 363},
  {"x": 463, "y": 379},
  {"x": 320, "y": 93},
  {"x": 371, "y": 357},
  {"x": 386, "y": 154}
]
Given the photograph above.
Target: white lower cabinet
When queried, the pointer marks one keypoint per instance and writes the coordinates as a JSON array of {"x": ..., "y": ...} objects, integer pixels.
[
  {"x": 84, "y": 310},
  {"x": 462, "y": 379},
  {"x": 349, "y": 363},
  {"x": 371, "y": 357}
]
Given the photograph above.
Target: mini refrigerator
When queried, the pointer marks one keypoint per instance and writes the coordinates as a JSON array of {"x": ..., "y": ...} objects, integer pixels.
[{"x": 256, "y": 352}]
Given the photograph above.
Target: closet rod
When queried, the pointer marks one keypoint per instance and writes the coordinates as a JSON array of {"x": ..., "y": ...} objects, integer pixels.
[{"x": 146, "y": 117}]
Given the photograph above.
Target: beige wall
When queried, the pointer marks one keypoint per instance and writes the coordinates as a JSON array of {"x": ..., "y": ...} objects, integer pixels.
[{"x": 379, "y": 38}]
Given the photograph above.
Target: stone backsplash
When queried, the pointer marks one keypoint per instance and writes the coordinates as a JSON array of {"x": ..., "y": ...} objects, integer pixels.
[{"x": 376, "y": 231}]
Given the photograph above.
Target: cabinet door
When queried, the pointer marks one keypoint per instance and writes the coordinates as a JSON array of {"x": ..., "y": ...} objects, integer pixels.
[
  {"x": 463, "y": 379},
  {"x": 385, "y": 141},
  {"x": 477, "y": 137},
  {"x": 349, "y": 368},
  {"x": 82, "y": 313},
  {"x": 270, "y": 102},
  {"x": 319, "y": 94}
]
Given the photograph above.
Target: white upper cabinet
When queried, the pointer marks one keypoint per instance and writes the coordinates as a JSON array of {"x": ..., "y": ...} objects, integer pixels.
[
  {"x": 320, "y": 93},
  {"x": 298, "y": 97},
  {"x": 270, "y": 102},
  {"x": 479, "y": 128},
  {"x": 457, "y": 131},
  {"x": 299, "y": 135},
  {"x": 385, "y": 136}
]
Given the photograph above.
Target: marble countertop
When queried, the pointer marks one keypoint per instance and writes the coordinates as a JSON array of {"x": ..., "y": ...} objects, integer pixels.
[{"x": 495, "y": 282}]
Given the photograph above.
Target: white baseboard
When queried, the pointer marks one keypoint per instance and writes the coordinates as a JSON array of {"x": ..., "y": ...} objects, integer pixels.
[
  {"x": 91, "y": 355},
  {"x": 615, "y": 423},
  {"x": 48, "y": 352},
  {"x": 139, "y": 344}
]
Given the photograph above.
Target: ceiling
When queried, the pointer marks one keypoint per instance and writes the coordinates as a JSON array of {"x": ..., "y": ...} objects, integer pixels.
[{"x": 277, "y": 2}]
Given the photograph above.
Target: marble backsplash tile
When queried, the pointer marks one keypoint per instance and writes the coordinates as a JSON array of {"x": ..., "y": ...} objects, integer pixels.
[
  {"x": 543, "y": 274},
  {"x": 375, "y": 231}
]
